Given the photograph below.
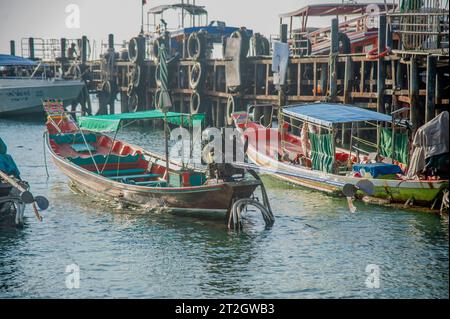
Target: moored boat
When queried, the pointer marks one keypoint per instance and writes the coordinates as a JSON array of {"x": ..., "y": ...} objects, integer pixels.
[
  {"x": 108, "y": 168},
  {"x": 21, "y": 94},
  {"x": 305, "y": 150}
]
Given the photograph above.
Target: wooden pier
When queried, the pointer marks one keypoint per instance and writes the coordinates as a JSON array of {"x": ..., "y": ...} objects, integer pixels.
[{"x": 408, "y": 76}]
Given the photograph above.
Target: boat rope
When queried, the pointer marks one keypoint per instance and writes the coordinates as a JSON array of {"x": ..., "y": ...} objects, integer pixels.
[
  {"x": 89, "y": 150},
  {"x": 110, "y": 150},
  {"x": 45, "y": 154}
]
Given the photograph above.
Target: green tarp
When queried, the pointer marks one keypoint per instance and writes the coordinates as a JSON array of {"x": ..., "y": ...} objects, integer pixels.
[
  {"x": 401, "y": 145},
  {"x": 322, "y": 155},
  {"x": 110, "y": 123}
]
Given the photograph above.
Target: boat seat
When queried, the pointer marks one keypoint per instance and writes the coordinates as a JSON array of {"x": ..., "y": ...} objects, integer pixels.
[
  {"x": 80, "y": 148},
  {"x": 101, "y": 159},
  {"x": 69, "y": 138},
  {"x": 160, "y": 183},
  {"x": 129, "y": 177},
  {"x": 113, "y": 173}
]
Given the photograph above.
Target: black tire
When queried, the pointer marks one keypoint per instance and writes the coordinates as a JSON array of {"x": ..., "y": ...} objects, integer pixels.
[
  {"x": 195, "y": 104},
  {"x": 156, "y": 98},
  {"x": 136, "y": 50},
  {"x": 245, "y": 42},
  {"x": 196, "y": 46},
  {"x": 130, "y": 89},
  {"x": 344, "y": 42},
  {"x": 155, "y": 47},
  {"x": 196, "y": 76},
  {"x": 231, "y": 108},
  {"x": 136, "y": 76},
  {"x": 133, "y": 103}
]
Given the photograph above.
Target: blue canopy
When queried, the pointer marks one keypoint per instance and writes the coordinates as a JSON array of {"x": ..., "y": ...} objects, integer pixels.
[
  {"x": 12, "y": 60},
  {"x": 326, "y": 114}
]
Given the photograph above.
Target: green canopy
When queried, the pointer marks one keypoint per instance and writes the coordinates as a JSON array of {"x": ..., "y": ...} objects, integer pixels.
[{"x": 110, "y": 123}]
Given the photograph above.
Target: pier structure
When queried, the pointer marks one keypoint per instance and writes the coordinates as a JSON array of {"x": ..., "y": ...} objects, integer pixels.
[{"x": 408, "y": 68}]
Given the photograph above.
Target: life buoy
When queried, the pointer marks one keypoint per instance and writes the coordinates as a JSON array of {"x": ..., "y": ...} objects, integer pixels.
[
  {"x": 196, "y": 76},
  {"x": 374, "y": 55},
  {"x": 196, "y": 45},
  {"x": 195, "y": 103}
]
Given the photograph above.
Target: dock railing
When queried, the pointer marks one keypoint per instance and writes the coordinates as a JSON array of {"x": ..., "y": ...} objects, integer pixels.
[{"x": 422, "y": 29}]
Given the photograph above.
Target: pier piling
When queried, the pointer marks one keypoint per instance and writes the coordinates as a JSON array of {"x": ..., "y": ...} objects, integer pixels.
[
  {"x": 12, "y": 47},
  {"x": 430, "y": 88}
]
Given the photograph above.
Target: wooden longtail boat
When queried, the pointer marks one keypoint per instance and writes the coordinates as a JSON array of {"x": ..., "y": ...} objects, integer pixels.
[
  {"x": 280, "y": 152},
  {"x": 108, "y": 168}
]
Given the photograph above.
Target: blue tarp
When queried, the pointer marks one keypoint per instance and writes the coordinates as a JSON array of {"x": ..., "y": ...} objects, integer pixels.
[
  {"x": 325, "y": 114},
  {"x": 7, "y": 164},
  {"x": 376, "y": 169},
  {"x": 11, "y": 60}
]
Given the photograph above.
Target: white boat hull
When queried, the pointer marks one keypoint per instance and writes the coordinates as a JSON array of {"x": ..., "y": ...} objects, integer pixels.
[{"x": 24, "y": 96}]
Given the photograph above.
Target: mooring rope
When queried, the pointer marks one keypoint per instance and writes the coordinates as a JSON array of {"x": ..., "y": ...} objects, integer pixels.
[{"x": 45, "y": 153}]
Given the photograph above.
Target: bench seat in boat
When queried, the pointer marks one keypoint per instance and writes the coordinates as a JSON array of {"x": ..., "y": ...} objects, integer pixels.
[
  {"x": 70, "y": 138},
  {"x": 160, "y": 183},
  {"x": 101, "y": 159},
  {"x": 80, "y": 148},
  {"x": 131, "y": 177},
  {"x": 122, "y": 173}
]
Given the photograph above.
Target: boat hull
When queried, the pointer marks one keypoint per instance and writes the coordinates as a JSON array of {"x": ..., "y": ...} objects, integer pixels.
[
  {"x": 24, "y": 96},
  {"x": 213, "y": 198},
  {"x": 400, "y": 191}
]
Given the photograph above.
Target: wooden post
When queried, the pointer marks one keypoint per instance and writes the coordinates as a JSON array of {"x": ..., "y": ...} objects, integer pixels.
[
  {"x": 84, "y": 46},
  {"x": 348, "y": 78},
  {"x": 413, "y": 94},
  {"x": 12, "y": 47},
  {"x": 111, "y": 41},
  {"x": 334, "y": 51},
  {"x": 381, "y": 71},
  {"x": 63, "y": 48},
  {"x": 431, "y": 88},
  {"x": 283, "y": 33},
  {"x": 31, "y": 48}
]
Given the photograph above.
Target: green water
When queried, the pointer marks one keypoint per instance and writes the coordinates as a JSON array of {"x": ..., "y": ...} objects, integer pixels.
[{"x": 316, "y": 248}]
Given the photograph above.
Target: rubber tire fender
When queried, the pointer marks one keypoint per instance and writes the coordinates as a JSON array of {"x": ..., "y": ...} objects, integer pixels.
[
  {"x": 195, "y": 104},
  {"x": 231, "y": 106},
  {"x": 196, "y": 40},
  {"x": 196, "y": 82}
]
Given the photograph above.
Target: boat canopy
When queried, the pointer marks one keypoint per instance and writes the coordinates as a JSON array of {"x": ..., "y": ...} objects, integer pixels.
[
  {"x": 110, "y": 123},
  {"x": 190, "y": 8},
  {"x": 327, "y": 115},
  {"x": 12, "y": 60},
  {"x": 332, "y": 9}
]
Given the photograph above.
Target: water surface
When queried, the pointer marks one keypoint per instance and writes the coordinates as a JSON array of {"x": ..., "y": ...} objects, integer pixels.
[{"x": 316, "y": 248}]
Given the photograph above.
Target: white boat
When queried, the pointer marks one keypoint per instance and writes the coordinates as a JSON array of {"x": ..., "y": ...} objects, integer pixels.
[{"x": 24, "y": 95}]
